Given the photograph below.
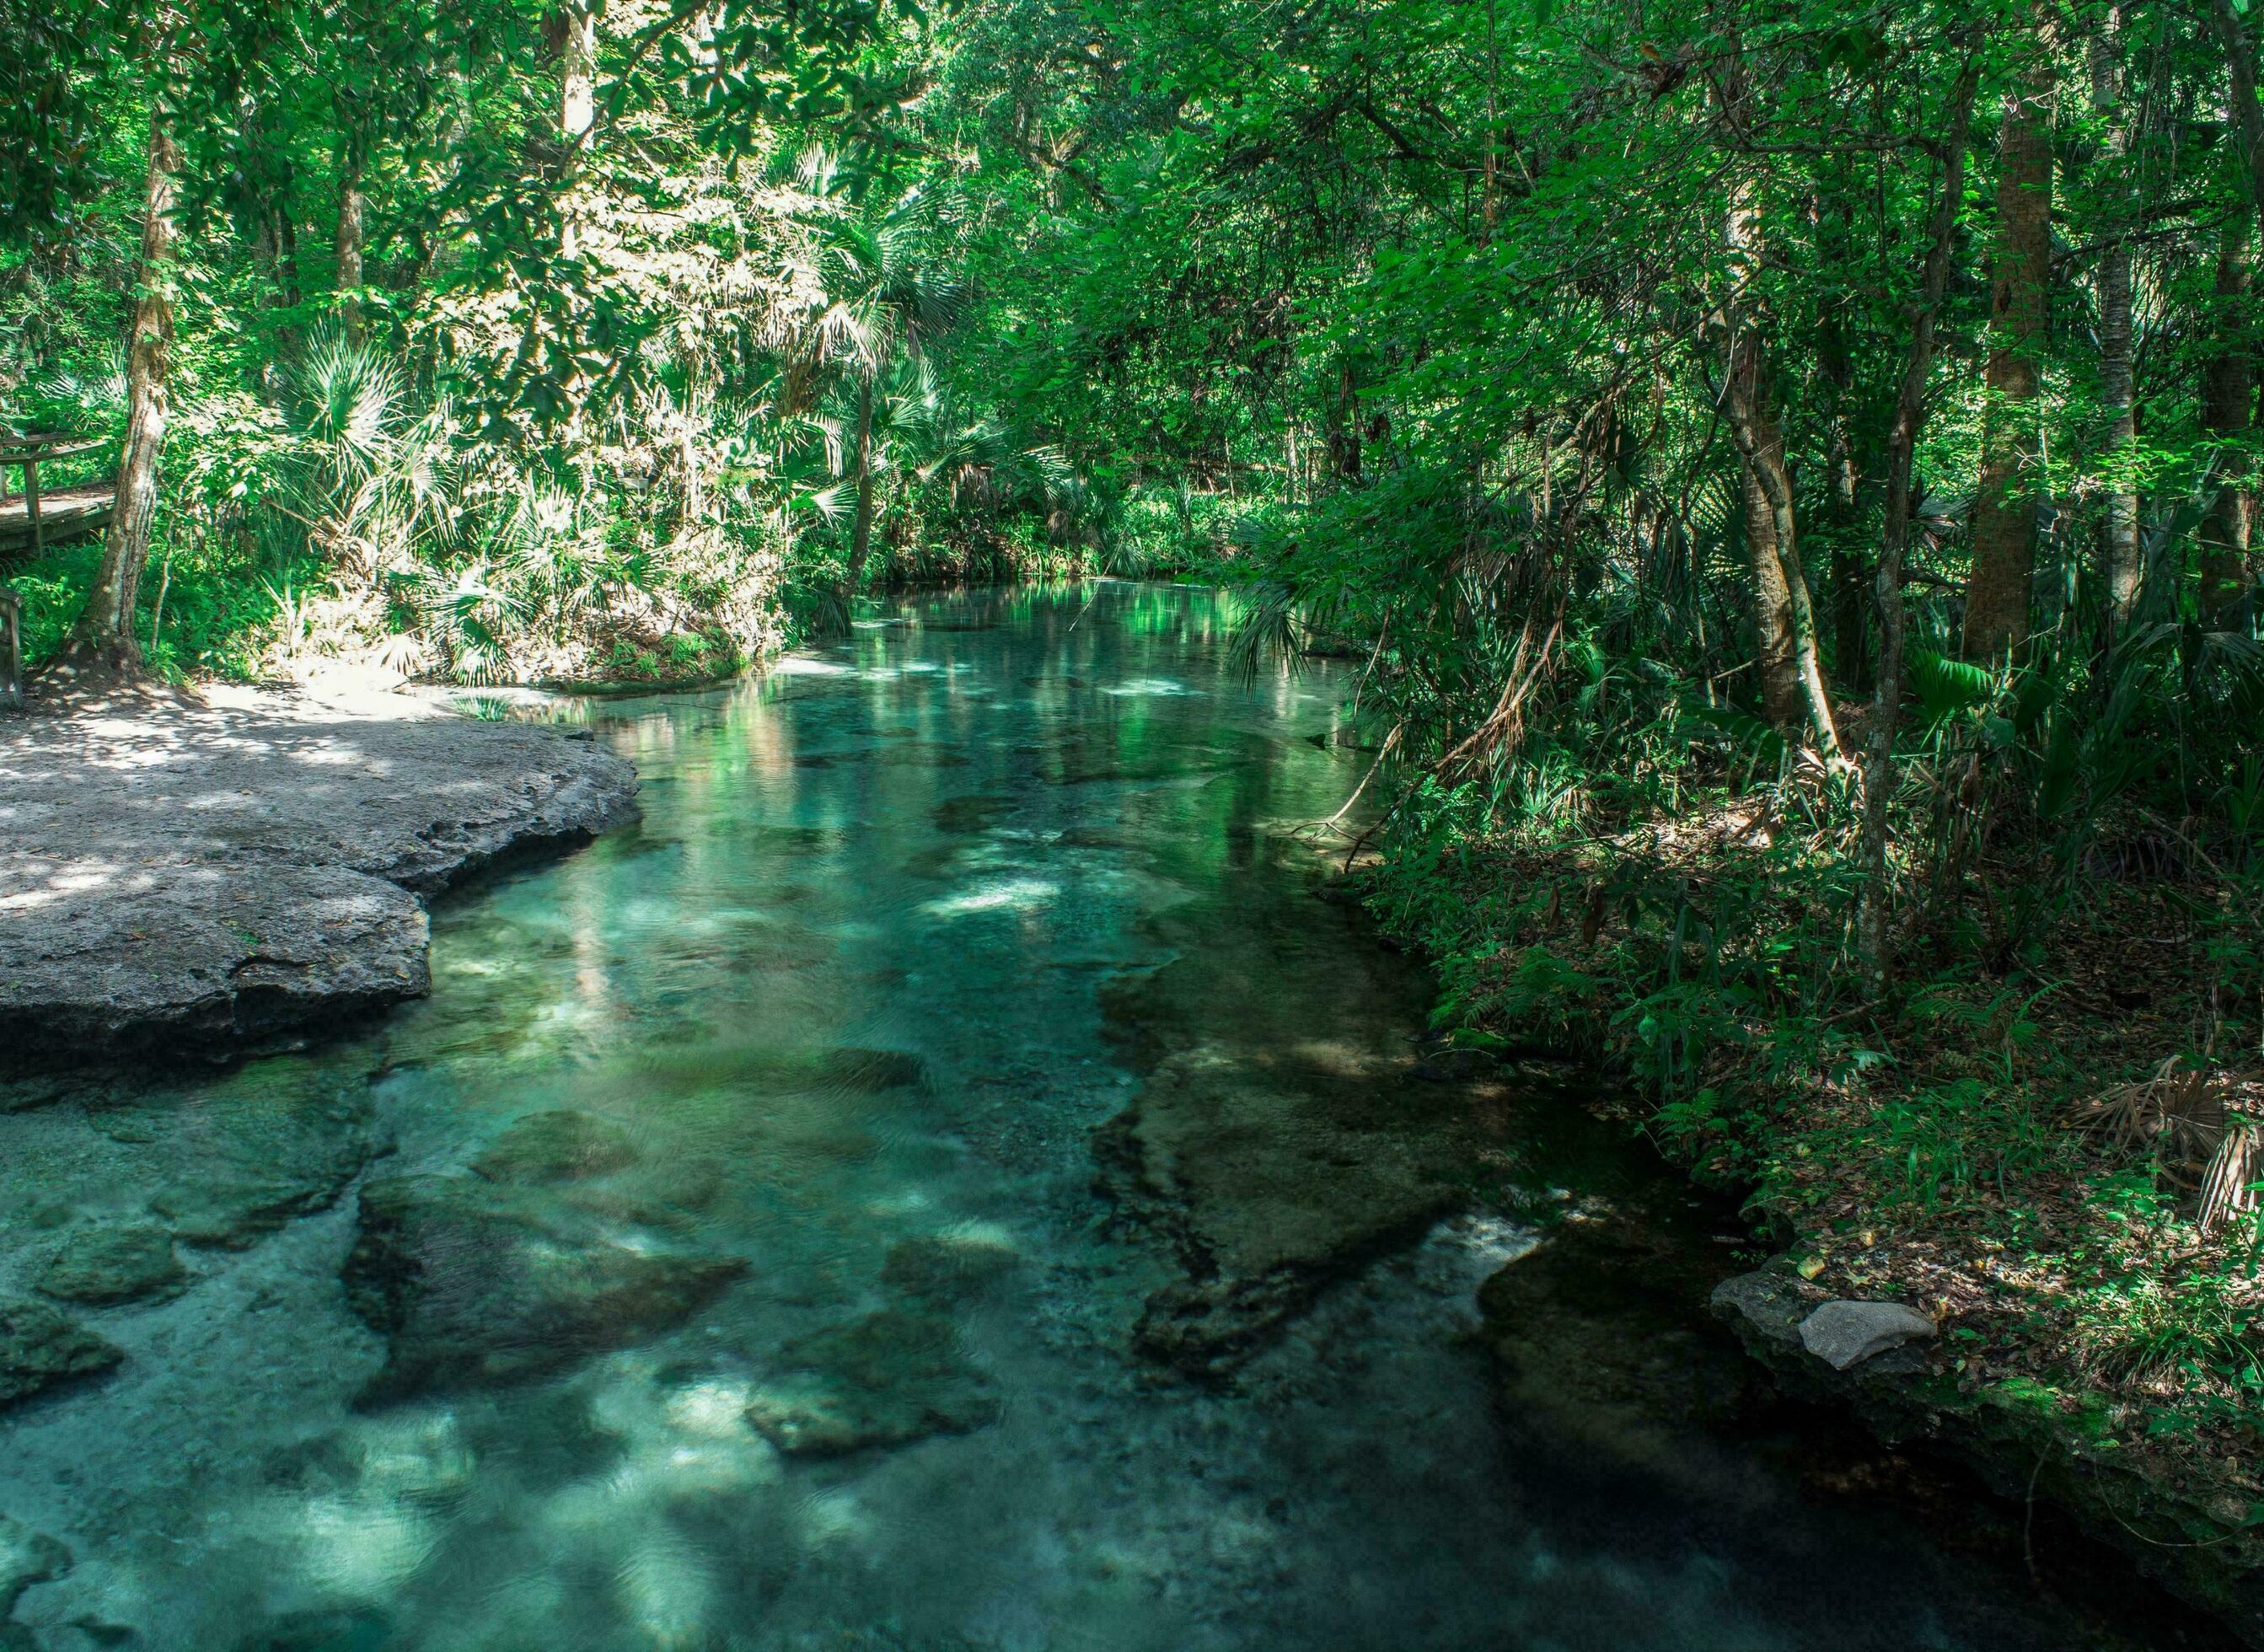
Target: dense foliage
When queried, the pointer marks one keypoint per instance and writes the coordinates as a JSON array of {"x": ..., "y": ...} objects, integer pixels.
[{"x": 1784, "y": 470}]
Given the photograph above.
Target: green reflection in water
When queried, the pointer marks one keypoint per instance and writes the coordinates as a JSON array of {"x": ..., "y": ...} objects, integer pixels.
[{"x": 733, "y": 1273}]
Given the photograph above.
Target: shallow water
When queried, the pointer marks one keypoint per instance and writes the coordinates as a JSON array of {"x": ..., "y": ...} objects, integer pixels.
[{"x": 1042, "y": 844}]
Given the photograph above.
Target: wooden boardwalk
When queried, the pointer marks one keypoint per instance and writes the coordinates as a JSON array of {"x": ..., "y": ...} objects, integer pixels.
[{"x": 66, "y": 514}]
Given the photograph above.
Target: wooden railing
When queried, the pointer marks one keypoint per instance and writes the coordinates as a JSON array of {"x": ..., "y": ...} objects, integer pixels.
[
  {"x": 79, "y": 510},
  {"x": 11, "y": 650},
  {"x": 46, "y": 515}
]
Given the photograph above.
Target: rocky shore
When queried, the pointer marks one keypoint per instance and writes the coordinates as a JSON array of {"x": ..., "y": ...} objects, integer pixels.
[
  {"x": 2027, "y": 1441},
  {"x": 211, "y": 873}
]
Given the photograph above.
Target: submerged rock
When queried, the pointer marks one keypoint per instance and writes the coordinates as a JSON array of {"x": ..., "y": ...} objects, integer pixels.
[
  {"x": 884, "y": 1380},
  {"x": 102, "y": 1267},
  {"x": 557, "y": 1146},
  {"x": 362, "y": 1629},
  {"x": 946, "y": 1267},
  {"x": 1605, "y": 1351},
  {"x": 41, "y": 1346},
  {"x": 236, "y": 1157},
  {"x": 477, "y": 1284},
  {"x": 1271, "y": 1179},
  {"x": 1844, "y": 1334},
  {"x": 27, "y": 1557}
]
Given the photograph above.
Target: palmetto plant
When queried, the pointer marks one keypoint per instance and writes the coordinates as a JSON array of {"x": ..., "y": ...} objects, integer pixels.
[{"x": 883, "y": 302}]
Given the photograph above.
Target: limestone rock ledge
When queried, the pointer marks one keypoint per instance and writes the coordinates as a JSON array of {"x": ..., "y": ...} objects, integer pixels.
[
  {"x": 2026, "y": 1441},
  {"x": 211, "y": 873}
]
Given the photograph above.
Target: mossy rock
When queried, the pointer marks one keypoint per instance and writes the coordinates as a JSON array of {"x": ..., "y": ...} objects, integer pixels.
[
  {"x": 27, "y": 1557},
  {"x": 103, "y": 1266},
  {"x": 478, "y": 1284},
  {"x": 946, "y": 1267},
  {"x": 885, "y": 1380},
  {"x": 41, "y": 1346},
  {"x": 557, "y": 1146}
]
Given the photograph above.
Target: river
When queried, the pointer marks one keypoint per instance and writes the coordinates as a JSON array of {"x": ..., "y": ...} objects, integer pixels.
[{"x": 942, "y": 1180}]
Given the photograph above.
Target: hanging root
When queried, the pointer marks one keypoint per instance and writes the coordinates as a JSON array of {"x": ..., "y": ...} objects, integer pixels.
[{"x": 1504, "y": 730}]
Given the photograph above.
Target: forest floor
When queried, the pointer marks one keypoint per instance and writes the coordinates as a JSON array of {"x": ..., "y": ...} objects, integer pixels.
[
  {"x": 2016, "y": 1154},
  {"x": 219, "y": 866}
]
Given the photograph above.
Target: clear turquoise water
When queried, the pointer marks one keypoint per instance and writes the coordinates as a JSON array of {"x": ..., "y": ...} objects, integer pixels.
[{"x": 967, "y": 834}]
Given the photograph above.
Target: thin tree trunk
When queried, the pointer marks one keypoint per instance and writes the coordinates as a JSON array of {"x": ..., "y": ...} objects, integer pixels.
[
  {"x": 577, "y": 108},
  {"x": 2005, "y": 506},
  {"x": 349, "y": 232},
  {"x": 861, "y": 538},
  {"x": 2247, "y": 110},
  {"x": 287, "y": 257},
  {"x": 2229, "y": 536},
  {"x": 2228, "y": 397},
  {"x": 1760, "y": 442},
  {"x": 2118, "y": 549},
  {"x": 1780, "y": 673},
  {"x": 104, "y": 638},
  {"x": 1894, "y": 543},
  {"x": 1784, "y": 615},
  {"x": 577, "y": 105}
]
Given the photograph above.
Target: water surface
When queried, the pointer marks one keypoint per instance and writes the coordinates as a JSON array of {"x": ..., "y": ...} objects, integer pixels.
[{"x": 904, "y": 926}]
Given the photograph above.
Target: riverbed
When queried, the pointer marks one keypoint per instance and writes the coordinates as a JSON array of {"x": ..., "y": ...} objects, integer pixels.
[{"x": 940, "y": 1180}]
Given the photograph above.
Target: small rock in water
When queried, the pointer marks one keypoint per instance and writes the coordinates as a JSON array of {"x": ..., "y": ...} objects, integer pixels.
[
  {"x": 557, "y": 1146},
  {"x": 1845, "y": 1334},
  {"x": 106, "y": 1265},
  {"x": 27, "y": 1557},
  {"x": 885, "y": 1380},
  {"x": 946, "y": 1267},
  {"x": 872, "y": 1071},
  {"x": 40, "y": 1346},
  {"x": 477, "y": 1284}
]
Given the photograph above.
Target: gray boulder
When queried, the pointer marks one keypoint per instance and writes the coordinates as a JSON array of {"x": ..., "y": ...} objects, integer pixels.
[{"x": 1845, "y": 1334}]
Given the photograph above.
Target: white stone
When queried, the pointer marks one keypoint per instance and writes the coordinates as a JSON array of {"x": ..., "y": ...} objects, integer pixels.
[{"x": 1846, "y": 1334}]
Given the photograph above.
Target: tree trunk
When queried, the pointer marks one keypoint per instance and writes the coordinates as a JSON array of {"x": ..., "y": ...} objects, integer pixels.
[
  {"x": 2228, "y": 396},
  {"x": 2246, "y": 110},
  {"x": 1783, "y": 606},
  {"x": 2118, "y": 549},
  {"x": 2229, "y": 535},
  {"x": 349, "y": 232},
  {"x": 1344, "y": 424},
  {"x": 104, "y": 640},
  {"x": 2005, "y": 504},
  {"x": 861, "y": 538},
  {"x": 1780, "y": 673},
  {"x": 287, "y": 254},
  {"x": 1784, "y": 617},
  {"x": 1894, "y": 542},
  {"x": 578, "y": 107}
]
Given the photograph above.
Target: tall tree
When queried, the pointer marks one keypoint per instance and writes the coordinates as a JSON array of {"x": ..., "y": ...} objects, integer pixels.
[
  {"x": 1910, "y": 416},
  {"x": 2228, "y": 535},
  {"x": 2005, "y": 501},
  {"x": 2118, "y": 542},
  {"x": 104, "y": 641}
]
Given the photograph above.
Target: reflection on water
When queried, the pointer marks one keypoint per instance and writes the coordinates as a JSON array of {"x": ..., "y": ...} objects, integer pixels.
[{"x": 721, "y": 1263}]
